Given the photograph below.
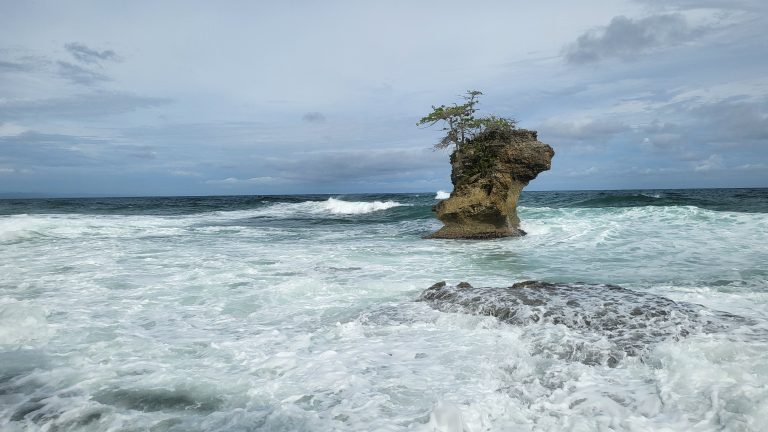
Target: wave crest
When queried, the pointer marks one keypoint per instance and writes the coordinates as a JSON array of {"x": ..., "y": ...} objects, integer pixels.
[
  {"x": 337, "y": 206},
  {"x": 442, "y": 195}
]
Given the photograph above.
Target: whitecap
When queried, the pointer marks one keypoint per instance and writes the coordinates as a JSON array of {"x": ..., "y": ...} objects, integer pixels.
[
  {"x": 447, "y": 417},
  {"x": 22, "y": 324},
  {"x": 329, "y": 207},
  {"x": 337, "y": 206},
  {"x": 651, "y": 195},
  {"x": 441, "y": 194}
]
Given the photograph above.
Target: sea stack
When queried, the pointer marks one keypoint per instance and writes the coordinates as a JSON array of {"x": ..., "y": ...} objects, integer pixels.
[{"x": 488, "y": 173}]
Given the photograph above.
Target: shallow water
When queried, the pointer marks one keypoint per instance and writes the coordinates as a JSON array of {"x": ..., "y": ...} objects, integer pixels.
[{"x": 299, "y": 313}]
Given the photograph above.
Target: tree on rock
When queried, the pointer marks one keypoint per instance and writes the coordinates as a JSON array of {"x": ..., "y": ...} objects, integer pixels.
[{"x": 462, "y": 126}]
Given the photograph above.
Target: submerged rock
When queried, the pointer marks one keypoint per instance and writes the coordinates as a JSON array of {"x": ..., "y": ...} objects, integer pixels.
[
  {"x": 608, "y": 322},
  {"x": 488, "y": 175}
]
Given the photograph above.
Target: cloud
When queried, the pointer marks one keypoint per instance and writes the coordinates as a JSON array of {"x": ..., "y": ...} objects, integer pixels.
[
  {"x": 582, "y": 172},
  {"x": 626, "y": 38},
  {"x": 752, "y": 167},
  {"x": 662, "y": 135},
  {"x": 140, "y": 152},
  {"x": 232, "y": 181},
  {"x": 713, "y": 162},
  {"x": 87, "y": 58},
  {"x": 184, "y": 173},
  {"x": 314, "y": 117},
  {"x": 699, "y": 4},
  {"x": 11, "y": 129},
  {"x": 356, "y": 165},
  {"x": 83, "y": 54},
  {"x": 80, "y": 75},
  {"x": 593, "y": 129},
  {"x": 53, "y": 150},
  {"x": 19, "y": 61},
  {"x": 32, "y": 148},
  {"x": 735, "y": 122},
  {"x": 7, "y": 66},
  {"x": 81, "y": 106},
  {"x": 403, "y": 168}
]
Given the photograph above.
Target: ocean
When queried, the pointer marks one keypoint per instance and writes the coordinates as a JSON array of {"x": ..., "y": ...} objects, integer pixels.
[{"x": 300, "y": 313}]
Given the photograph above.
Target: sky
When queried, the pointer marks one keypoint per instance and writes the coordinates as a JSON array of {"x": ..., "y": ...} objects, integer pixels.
[{"x": 290, "y": 97}]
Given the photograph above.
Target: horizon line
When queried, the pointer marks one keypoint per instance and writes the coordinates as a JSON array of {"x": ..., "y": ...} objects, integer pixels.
[{"x": 37, "y": 195}]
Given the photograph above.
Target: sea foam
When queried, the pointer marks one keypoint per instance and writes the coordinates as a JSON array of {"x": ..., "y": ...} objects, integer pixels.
[
  {"x": 337, "y": 206},
  {"x": 442, "y": 195},
  {"x": 332, "y": 207},
  {"x": 21, "y": 324},
  {"x": 264, "y": 311}
]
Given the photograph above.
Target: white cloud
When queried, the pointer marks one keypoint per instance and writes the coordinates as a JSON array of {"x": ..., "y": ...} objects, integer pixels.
[
  {"x": 751, "y": 89},
  {"x": 584, "y": 172},
  {"x": 713, "y": 162},
  {"x": 11, "y": 129},
  {"x": 752, "y": 167},
  {"x": 185, "y": 173},
  {"x": 230, "y": 181}
]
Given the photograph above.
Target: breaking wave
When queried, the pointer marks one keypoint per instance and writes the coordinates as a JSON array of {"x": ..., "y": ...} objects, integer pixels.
[
  {"x": 337, "y": 206},
  {"x": 287, "y": 313},
  {"x": 331, "y": 207},
  {"x": 442, "y": 195}
]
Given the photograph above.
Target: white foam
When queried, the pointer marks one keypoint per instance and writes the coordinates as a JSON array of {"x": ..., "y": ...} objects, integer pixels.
[
  {"x": 446, "y": 417},
  {"x": 442, "y": 195},
  {"x": 22, "y": 227},
  {"x": 22, "y": 324},
  {"x": 328, "y": 208},
  {"x": 251, "y": 313},
  {"x": 337, "y": 206}
]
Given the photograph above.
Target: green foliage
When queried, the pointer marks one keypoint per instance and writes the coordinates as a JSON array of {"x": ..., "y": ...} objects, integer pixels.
[
  {"x": 462, "y": 126},
  {"x": 479, "y": 158}
]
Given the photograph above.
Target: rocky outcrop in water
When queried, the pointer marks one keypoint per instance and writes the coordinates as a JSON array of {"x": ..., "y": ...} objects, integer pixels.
[
  {"x": 488, "y": 175},
  {"x": 606, "y": 322}
]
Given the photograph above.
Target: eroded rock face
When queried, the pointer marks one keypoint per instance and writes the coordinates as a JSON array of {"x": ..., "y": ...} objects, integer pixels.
[
  {"x": 487, "y": 180},
  {"x": 606, "y": 323}
]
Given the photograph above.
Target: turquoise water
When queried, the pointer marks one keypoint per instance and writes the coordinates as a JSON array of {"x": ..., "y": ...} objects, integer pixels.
[{"x": 298, "y": 313}]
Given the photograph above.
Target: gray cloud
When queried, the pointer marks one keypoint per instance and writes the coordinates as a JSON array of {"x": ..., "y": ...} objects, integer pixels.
[
  {"x": 232, "y": 181},
  {"x": 87, "y": 55},
  {"x": 314, "y": 117},
  {"x": 84, "y": 55},
  {"x": 711, "y": 163},
  {"x": 80, "y": 75},
  {"x": 663, "y": 136},
  {"x": 82, "y": 106},
  {"x": 698, "y": 4},
  {"x": 144, "y": 152},
  {"x": 626, "y": 38},
  {"x": 600, "y": 129},
  {"x": 36, "y": 149},
  {"x": 7, "y": 66},
  {"x": 53, "y": 150},
  {"x": 356, "y": 165},
  {"x": 735, "y": 122},
  {"x": 14, "y": 61}
]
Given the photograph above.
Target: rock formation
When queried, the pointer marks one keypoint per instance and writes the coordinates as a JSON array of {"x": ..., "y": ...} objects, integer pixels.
[
  {"x": 607, "y": 323},
  {"x": 488, "y": 174}
]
